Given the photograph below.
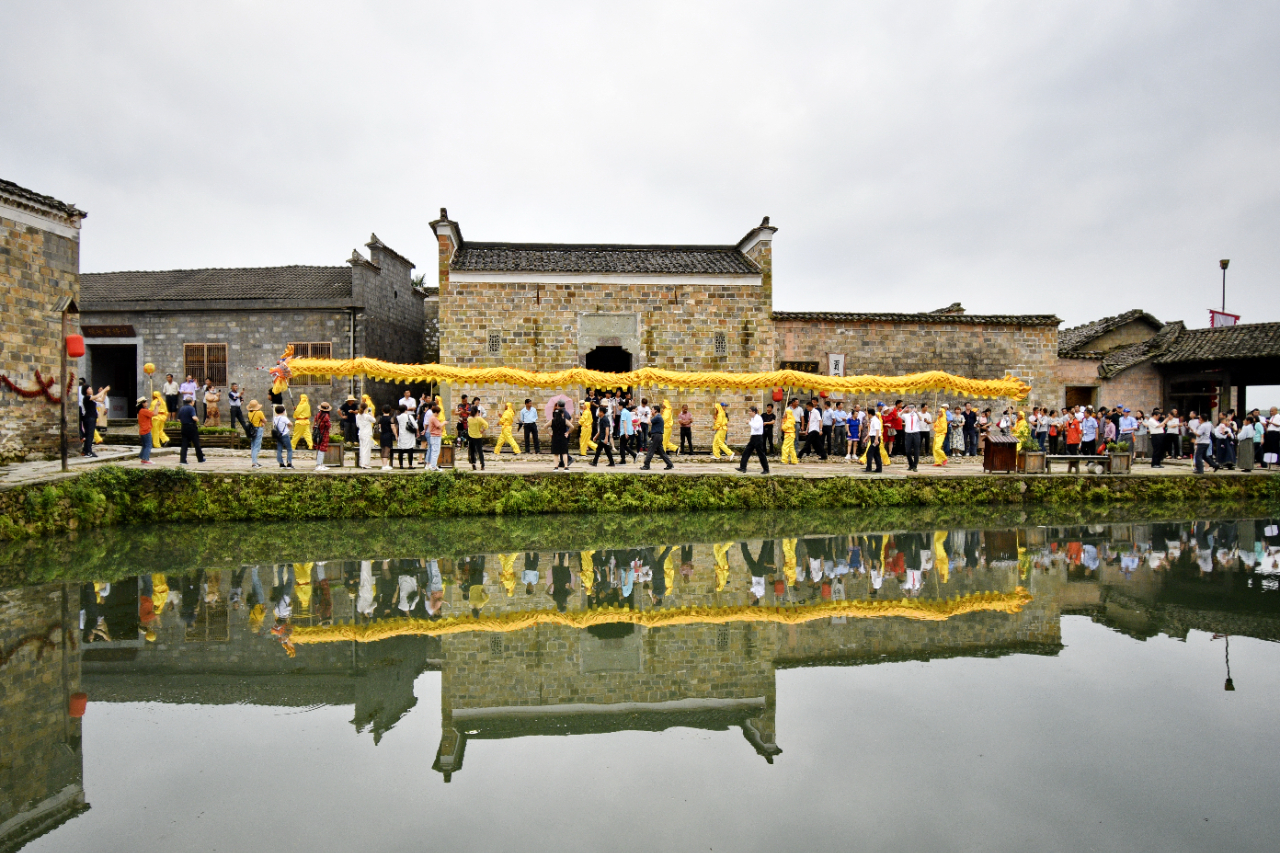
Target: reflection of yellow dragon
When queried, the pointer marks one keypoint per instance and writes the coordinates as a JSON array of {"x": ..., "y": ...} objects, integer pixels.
[{"x": 928, "y": 610}]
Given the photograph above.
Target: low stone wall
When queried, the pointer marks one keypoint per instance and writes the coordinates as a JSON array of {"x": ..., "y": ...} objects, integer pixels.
[{"x": 112, "y": 495}]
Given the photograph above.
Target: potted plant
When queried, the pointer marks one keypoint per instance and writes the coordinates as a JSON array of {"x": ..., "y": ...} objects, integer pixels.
[
  {"x": 1030, "y": 456},
  {"x": 1121, "y": 454}
]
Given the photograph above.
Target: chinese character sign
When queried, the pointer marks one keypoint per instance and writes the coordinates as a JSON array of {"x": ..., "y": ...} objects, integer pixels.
[{"x": 835, "y": 364}]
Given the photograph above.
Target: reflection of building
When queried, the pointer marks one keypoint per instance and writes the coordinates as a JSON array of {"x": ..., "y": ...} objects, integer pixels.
[
  {"x": 39, "y": 265},
  {"x": 41, "y": 763},
  {"x": 553, "y": 680}
]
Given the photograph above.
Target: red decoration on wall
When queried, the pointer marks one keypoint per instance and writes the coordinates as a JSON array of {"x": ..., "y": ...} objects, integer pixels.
[{"x": 41, "y": 391}]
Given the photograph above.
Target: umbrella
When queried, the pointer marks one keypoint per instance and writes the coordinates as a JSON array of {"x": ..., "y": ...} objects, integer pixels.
[{"x": 550, "y": 407}]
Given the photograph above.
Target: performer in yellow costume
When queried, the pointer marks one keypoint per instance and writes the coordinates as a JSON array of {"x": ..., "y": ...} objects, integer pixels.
[
  {"x": 1022, "y": 430},
  {"x": 160, "y": 414},
  {"x": 668, "y": 418},
  {"x": 721, "y": 552},
  {"x": 504, "y": 437},
  {"x": 585, "y": 423},
  {"x": 788, "y": 439},
  {"x": 302, "y": 423},
  {"x": 718, "y": 445},
  {"x": 939, "y": 436}
]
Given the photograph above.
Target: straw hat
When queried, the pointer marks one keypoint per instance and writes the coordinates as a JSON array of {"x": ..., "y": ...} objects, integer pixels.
[
  {"x": 255, "y": 406},
  {"x": 324, "y": 407},
  {"x": 142, "y": 401},
  {"x": 351, "y": 398}
]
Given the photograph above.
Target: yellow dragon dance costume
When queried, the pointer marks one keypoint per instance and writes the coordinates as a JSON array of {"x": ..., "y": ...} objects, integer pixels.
[
  {"x": 585, "y": 444},
  {"x": 505, "y": 437},
  {"x": 939, "y": 436},
  {"x": 159, "y": 415},
  {"x": 718, "y": 444},
  {"x": 668, "y": 417},
  {"x": 302, "y": 423},
  {"x": 789, "y": 438}
]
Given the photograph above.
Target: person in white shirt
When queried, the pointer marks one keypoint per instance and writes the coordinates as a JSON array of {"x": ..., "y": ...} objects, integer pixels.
[
  {"x": 410, "y": 404},
  {"x": 644, "y": 417},
  {"x": 1244, "y": 449},
  {"x": 1271, "y": 439},
  {"x": 1203, "y": 431},
  {"x": 911, "y": 424},
  {"x": 1173, "y": 435},
  {"x": 755, "y": 443},
  {"x": 875, "y": 435},
  {"x": 528, "y": 419},
  {"x": 282, "y": 426},
  {"x": 1155, "y": 429}
]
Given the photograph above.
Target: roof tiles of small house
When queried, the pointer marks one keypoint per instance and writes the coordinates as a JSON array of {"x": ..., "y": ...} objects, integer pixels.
[
  {"x": 1251, "y": 340},
  {"x": 296, "y": 282},
  {"x": 932, "y": 318},
  {"x": 22, "y": 194},
  {"x": 601, "y": 258},
  {"x": 1073, "y": 342},
  {"x": 1122, "y": 358}
]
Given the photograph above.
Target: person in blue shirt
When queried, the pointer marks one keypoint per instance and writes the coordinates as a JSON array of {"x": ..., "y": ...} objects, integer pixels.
[
  {"x": 627, "y": 433},
  {"x": 1089, "y": 434}
]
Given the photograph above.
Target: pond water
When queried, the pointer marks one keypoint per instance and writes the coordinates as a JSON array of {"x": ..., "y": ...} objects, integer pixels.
[{"x": 761, "y": 681}]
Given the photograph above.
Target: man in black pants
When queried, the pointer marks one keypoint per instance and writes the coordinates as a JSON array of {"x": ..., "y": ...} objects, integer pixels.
[
  {"x": 89, "y": 422},
  {"x": 911, "y": 422},
  {"x": 656, "y": 426},
  {"x": 755, "y": 443},
  {"x": 875, "y": 435},
  {"x": 190, "y": 431},
  {"x": 770, "y": 420},
  {"x": 813, "y": 435},
  {"x": 529, "y": 423}
]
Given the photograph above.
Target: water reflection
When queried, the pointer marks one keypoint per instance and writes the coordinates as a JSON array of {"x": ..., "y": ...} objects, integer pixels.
[{"x": 624, "y": 632}]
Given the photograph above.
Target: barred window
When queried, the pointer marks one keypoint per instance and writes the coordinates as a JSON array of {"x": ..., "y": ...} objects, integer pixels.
[
  {"x": 206, "y": 361},
  {"x": 722, "y": 344},
  {"x": 495, "y": 343},
  {"x": 314, "y": 349}
]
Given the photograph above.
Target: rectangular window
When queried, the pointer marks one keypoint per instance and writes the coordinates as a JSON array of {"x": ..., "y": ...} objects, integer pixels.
[
  {"x": 495, "y": 343},
  {"x": 722, "y": 343},
  {"x": 206, "y": 361},
  {"x": 315, "y": 349}
]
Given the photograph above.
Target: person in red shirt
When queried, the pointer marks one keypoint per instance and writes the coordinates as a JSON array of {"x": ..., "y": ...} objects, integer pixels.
[
  {"x": 892, "y": 425},
  {"x": 1074, "y": 432},
  {"x": 144, "y": 431}
]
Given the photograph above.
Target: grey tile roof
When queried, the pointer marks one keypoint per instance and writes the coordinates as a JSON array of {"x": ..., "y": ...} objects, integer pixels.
[
  {"x": 601, "y": 258},
  {"x": 932, "y": 318},
  {"x": 1121, "y": 359},
  {"x": 295, "y": 282},
  {"x": 1072, "y": 343},
  {"x": 24, "y": 195},
  {"x": 1251, "y": 340}
]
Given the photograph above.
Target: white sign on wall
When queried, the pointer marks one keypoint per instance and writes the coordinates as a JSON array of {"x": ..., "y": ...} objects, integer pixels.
[{"x": 835, "y": 364}]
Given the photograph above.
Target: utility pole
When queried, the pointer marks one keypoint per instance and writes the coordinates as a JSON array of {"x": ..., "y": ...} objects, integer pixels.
[{"x": 1223, "y": 263}]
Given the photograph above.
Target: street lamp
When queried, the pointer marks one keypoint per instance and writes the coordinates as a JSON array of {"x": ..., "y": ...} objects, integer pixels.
[{"x": 1223, "y": 263}]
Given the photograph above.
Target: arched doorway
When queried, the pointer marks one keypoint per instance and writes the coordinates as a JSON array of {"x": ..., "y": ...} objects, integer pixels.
[{"x": 609, "y": 360}]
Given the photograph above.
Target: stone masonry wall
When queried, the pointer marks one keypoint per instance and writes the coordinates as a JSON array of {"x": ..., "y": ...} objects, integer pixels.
[
  {"x": 894, "y": 348},
  {"x": 539, "y": 328},
  {"x": 40, "y": 753},
  {"x": 1139, "y": 387},
  {"x": 38, "y": 267},
  {"x": 392, "y": 329}
]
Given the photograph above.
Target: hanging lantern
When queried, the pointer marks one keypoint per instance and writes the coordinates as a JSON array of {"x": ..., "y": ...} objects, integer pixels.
[
  {"x": 75, "y": 346},
  {"x": 148, "y": 368}
]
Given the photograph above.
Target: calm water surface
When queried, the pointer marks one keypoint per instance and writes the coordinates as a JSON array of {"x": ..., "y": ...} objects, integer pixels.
[{"x": 897, "y": 681}]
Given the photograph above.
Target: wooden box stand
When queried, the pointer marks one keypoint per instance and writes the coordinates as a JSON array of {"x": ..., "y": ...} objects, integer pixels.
[
  {"x": 446, "y": 456},
  {"x": 1000, "y": 453}
]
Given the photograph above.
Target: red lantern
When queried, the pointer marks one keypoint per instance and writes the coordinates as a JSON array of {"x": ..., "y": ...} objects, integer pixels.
[
  {"x": 78, "y": 701},
  {"x": 75, "y": 346},
  {"x": 822, "y": 394},
  {"x": 777, "y": 395}
]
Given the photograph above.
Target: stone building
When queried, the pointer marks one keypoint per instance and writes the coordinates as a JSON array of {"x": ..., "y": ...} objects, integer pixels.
[
  {"x": 40, "y": 253},
  {"x": 227, "y": 323},
  {"x": 550, "y": 306},
  {"x": 1135, "y": 360}
]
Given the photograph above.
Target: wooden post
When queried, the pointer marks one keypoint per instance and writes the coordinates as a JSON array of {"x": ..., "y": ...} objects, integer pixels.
[{"x": 62, "y": 441}]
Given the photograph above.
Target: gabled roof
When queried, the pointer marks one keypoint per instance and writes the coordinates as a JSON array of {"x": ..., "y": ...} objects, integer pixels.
[
  {"x": 1122, "y": 358},
  {"x": 22, "y": 195},
  {"x": 294, "y": 282},
  {"x": 1073, "y": 342},
  {"x": 601, "y": 258},
  {"x": 932, "y": 318},
  {"x": 1251, "y": 340}
]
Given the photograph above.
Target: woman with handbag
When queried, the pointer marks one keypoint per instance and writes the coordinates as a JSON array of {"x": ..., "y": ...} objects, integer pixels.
[
  {"x": 323, "y": 424},
  {"x": 406, "y": 430}
]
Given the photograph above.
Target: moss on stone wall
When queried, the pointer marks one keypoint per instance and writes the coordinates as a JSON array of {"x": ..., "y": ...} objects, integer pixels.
[{"x": 112, "y": 495}]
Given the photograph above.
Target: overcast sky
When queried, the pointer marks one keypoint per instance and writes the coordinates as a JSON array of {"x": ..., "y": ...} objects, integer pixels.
[{"x": 1075, "y": 158}]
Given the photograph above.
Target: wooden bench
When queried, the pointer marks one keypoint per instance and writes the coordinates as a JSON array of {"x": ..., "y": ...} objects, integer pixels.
[{"x": 1073, "y": 462}]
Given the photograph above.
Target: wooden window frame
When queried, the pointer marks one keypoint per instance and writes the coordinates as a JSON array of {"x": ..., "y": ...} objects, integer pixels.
[
  {"x": 311, "y": 349},
  {"x": 197, "y": 364}
]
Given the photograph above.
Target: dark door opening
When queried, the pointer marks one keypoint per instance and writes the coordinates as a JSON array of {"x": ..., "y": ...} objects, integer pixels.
[
  {"x": 1080, "y": 395},
  {"x": 609, "y": 360},
  {"x": 116, "y": 365}
]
